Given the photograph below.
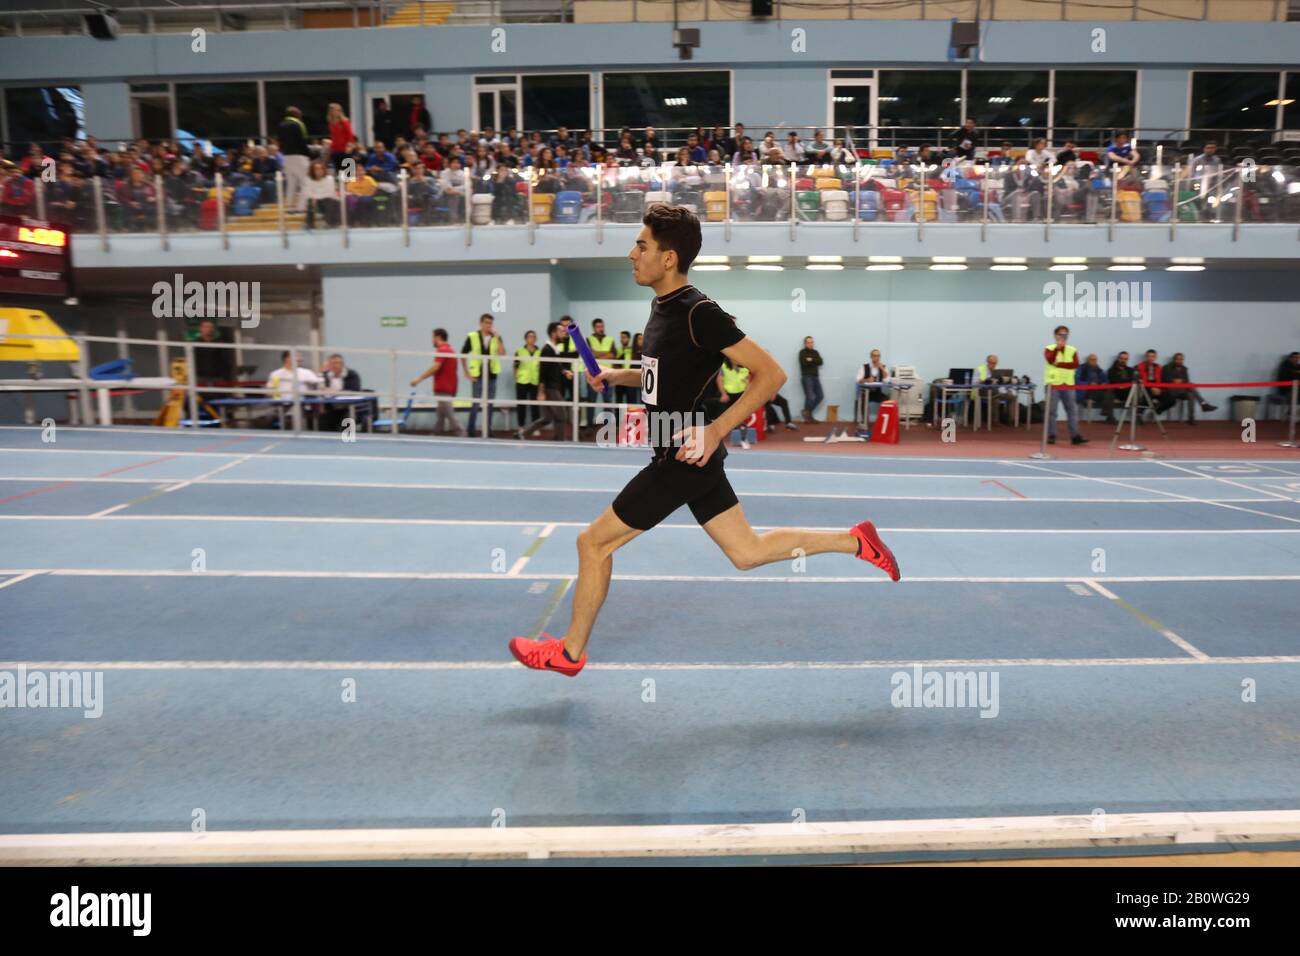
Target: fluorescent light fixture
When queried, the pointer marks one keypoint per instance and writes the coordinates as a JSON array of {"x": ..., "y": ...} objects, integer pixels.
[
  {"x": 825, "y": 258},
  {"x": 1185, "y": 269},
  {"x": 1009, "y": 260},
  {"x": 1126, "y": 268},
  {"x": 886, "y": 267},
  {"x": 1069, "y": 260},
  {"x": 674, "y": 101},
  {"x": 947, "y": 258},
  {"x": 1008, "y": 268},
  {"x": 884, "y": 258},
  {"x": 1067, "y": 267},
  {"x": 1187, "y": 260},
  {"x": 948, "y": 267},
  {"x": 712, "y": 268},
  {"x": 764, "y": 268},
  {"x": 707, "y": 259},
  {"x": 999, "y": 99},
  {"x": 824, "y": 266},
  {"x": 1128, "y": 260},
  {"x": 763, "y": 259},
  {"x": 1040, "y": 99}
]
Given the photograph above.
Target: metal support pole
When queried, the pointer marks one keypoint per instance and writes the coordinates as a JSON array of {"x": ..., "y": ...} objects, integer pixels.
[
  {"x": 469, "y": 194},
  {"x": 1241, "y": 201},
  {"x": 1051, "y": 191},
  {"x": 984, "y": 211},
  {"x": 1114, "y": 203},
  {"x": 920, "y": 212},
  {"x": 1047, "y": 423},
  {"x": 98, "y": 189},
  {"x": 392, "y": 389},
  {"x": 40, "y": 196},
  {"x": 191, "y": 396},
  {"x": 576, "y": 386},
  {"x": 279, "y": 209},
  {"x": 343, "y": 209},
  {"x": 532, "y": 219},
  {"x": 726, "y": 190},
  {"x": 794, "y": 206},
  {"x": 221, "y": 213},
  {"x": 857, "y": 201},
  {"x": 600, "y": 213},
  {"x": 1290, "y": 432},
  {"x": 1173, "y": 204},
  {"x": 160, "y": 204},
  {"x": 485, "y": 409},
  {"x": 83, "y": 390},
  {"x": 406, "y": 219}
]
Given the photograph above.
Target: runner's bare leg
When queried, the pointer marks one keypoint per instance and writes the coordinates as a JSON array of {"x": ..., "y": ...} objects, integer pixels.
[
  {"x": 596, "y": 546},
  {"x": 747, "y": 549}
]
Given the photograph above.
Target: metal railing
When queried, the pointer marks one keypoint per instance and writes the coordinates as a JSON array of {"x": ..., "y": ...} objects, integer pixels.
[
  {"x": 296, "y": 397},
  {"x": 904, "y": 194}
]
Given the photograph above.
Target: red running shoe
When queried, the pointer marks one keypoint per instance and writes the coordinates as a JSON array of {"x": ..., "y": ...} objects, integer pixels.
[
  {"x": 871, "y": 548},
  {"x": 545, "y": 655}
]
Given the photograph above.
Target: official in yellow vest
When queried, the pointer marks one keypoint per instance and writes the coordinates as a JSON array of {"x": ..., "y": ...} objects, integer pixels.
[
  {"x": 528, "y": 374},
  {"x": 602, "y": 347},
  {"x": 483, "y": 342},
  {"x": 624, "y": 394},
  {"x": 1062, "y": 359}
]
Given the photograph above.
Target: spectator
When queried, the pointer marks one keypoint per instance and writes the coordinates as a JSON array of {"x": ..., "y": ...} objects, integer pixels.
[
  {"x": 69, "y": 199},
  {"x": 1120, "y": 372},
  {"x": 818, "y": 151},
  {"x": 732, "y": 380},
  {"x": 1176, "y": 371},
  {"x": 17, "y": 193},
  {"x": 744, "y": 153},
  {"x": 292, "y": 135},
  {"x": 810, "y": 363},
  {"x": 527, "y": 379},
  {"x": 732, "y": 144},
  {"x": 554, "y": 377},
  {"x": 1121, "y": 156},
  {"x": 341, "y": 134},
  {"x": 483, "y": 341},
  {"x": 875, "y": 371},
  {"x": 443, "y": 373},
  {"x": 695, "y": 149},
  {"x": 1151, "y": 375},
  {"x": 1288, "y": 370},
  {"x": 1039, "y": 156},
  {"x": 625, "y": 394},
  {"x": 1062, "y": 359},
  {"x": 1068, "y": 154},
  {"x": 419, "y": 119},
  {"x": 454, "y": 189},
  {"x": 775, "y": 408},
  {"x": 321, "y": 196},
  {"x": 792, "y": 150},
  {"x": 382, "y": 129},
  {"x": 841, "y": 155},
  {"x": 963, "y": 143},
  {"x": 137, "y": 198},
  {"x": 1091, "y": 373}
]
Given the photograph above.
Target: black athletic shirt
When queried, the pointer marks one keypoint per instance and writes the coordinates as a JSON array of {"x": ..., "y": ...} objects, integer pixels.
[{"x": 684, "y": 339}]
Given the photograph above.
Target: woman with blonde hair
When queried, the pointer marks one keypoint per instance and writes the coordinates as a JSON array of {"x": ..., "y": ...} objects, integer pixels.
[{"x": 341, "y": 134}]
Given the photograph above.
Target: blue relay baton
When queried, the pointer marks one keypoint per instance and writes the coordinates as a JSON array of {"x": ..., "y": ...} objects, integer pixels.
[{"x": 584, "y": 350}]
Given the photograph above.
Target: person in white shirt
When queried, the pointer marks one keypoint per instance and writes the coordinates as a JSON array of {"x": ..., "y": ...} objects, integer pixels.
[
  {"x": 281, "y": 382},
  {"x": 792, "y": 151},
  {"x": 1040, "y": 155}
]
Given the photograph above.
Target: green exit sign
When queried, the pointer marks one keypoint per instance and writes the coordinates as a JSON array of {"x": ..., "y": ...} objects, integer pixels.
[{"x": 393, "y": 321}]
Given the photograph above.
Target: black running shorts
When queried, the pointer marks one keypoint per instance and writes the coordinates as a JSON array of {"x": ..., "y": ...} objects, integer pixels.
[{"x": 664, "y": 485}]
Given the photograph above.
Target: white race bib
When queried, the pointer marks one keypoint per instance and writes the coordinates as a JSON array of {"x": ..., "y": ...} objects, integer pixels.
[{"x": 649, "y": 380}]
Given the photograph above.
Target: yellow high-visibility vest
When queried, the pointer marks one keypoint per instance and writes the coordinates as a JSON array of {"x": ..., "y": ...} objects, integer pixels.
[
  {"x": 624, "y": 357},
  {"x": 526, "y": 372},
  {"x": 476, "y": 346},
  {"x": 601, "y": 343},
  {"x": 734, "y": 380},
  {"x": 1060, "y": 376}
]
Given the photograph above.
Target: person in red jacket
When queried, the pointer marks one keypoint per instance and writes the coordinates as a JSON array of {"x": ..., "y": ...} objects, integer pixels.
[
  {"x": 341, "y": 134},
  {"x": 1151, "y": 375}
]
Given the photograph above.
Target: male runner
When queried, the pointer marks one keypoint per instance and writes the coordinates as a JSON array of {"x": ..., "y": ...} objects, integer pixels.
[{"x": 685, "y": 341}]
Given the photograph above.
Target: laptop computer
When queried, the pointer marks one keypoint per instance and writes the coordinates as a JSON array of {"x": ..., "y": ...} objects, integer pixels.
[
  {"x": 1003, "y": 374},
  {"x": 961, "y": 376}
]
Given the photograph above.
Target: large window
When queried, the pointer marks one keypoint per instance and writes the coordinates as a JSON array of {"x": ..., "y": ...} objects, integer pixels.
[
  {"x": 1234, "y": 100},
  {"x": 44, "y": 114},
  {"x": 1094, "y": 99},
  {"x": 667, "y": 100},
  {"x": 555, "y": 100},
  {"x": 313, "y": 97},
  {"x": 1014, "y": 99},
  {"x": 218, "y": 111},
  {"x": 919, "y": 98}
]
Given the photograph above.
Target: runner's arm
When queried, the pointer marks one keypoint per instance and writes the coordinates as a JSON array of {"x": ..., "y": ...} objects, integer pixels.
[{"x": 765, "y": 379}]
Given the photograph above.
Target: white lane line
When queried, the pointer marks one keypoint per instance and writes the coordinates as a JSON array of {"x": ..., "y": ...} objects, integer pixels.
[
  {"x": 490, "y": 522},
  {"x": 647, "y": 841},
  {"x": 22, "y": 576},
  {"x": 1169, "y": 635},
  {"x": 176, "y": 487},
  {"x": 1226, "y": 481},
  {"x": 679, "y": 578},
  {"x": 504, "y": 665},
  {"x": 562, "y": 489},
  {"x": 523, "y": 558},
  {"x": 632, "y": 466},
  {"x": 1215, "y": 502}
]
